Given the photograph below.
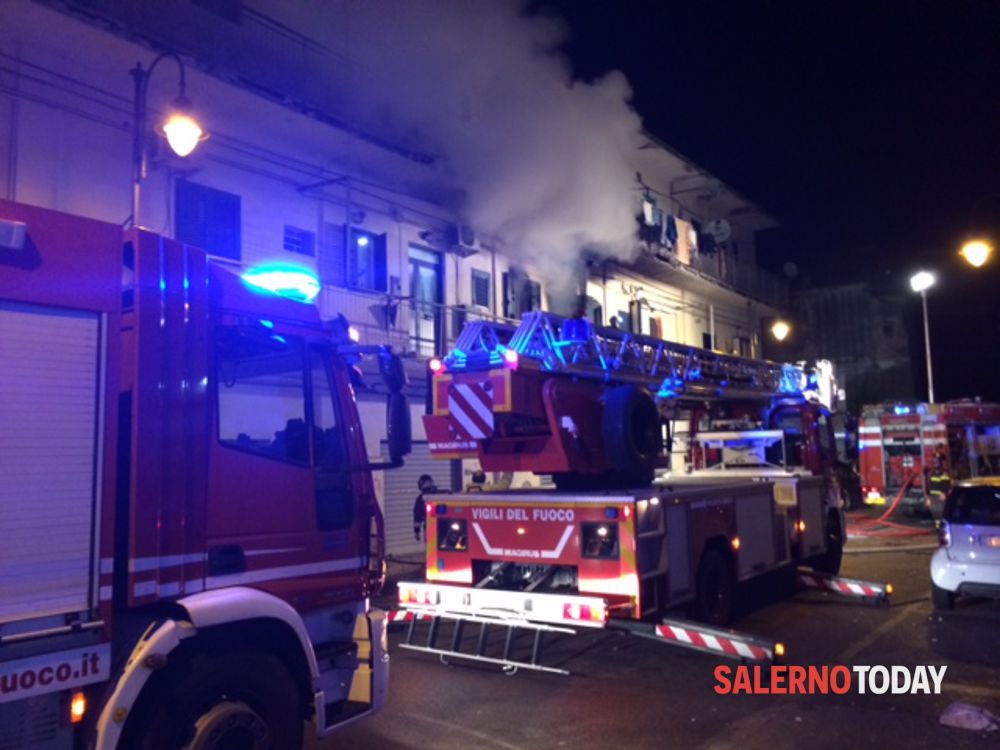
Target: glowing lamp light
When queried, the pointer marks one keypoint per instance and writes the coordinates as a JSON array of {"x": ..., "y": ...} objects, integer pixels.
[
  {"x": 292, "y": 282},
  {"x": 436, "y": 365},
  {"x": 922, "y": 281},
  {"x": 780, "y": 330},
  {"x": 779, "y": 649},
  {"x": 354, "y": 334},
  {"x": 976, "y": 252},
  {"x": 183, "y": 133},
  {"x": 362, "y": 240},
  {"x": 77, "y": 707}
]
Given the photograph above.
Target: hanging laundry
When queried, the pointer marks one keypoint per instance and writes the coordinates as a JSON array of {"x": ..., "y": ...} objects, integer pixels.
[
  {"x": 648, "y": 207},
  {"x": 670, "y": 230}
]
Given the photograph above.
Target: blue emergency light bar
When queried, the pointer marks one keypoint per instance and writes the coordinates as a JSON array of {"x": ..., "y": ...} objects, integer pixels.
[{"x": 284, "y": 279}]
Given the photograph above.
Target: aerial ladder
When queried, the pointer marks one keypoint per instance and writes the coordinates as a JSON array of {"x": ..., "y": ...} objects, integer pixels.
[{"x": 565, "y": 397}]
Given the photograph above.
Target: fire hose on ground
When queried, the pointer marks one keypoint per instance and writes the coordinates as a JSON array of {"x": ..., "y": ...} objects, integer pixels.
[{"x": 882, "y": 527}]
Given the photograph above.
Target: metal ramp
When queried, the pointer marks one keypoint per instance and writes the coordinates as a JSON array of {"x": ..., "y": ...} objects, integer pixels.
[
  {"x": 500, "y": 640},
  {"x": 577, "y": 347},
  {"x": 866, "y": 591}
]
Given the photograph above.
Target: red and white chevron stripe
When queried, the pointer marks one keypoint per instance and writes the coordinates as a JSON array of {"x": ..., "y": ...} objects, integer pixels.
[
  {"x": 404, "y": 615},
  {"x": 471, "y": 410},
  {"x": 713, "y": 642},
  {"x": 843, "y": 586}
]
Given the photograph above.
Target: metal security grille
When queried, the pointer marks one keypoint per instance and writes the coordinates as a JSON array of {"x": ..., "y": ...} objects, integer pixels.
[
  {"x": 400, "y": 492},
  {"x": 49, "y": 407}
]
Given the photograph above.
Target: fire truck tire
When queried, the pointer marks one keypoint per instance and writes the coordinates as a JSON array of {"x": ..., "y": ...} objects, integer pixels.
[
  {"x": 829, "y": 562},
  {"x": 631, "y": 433},
  {"x": 239, "y": 699},
  {"x": 715, "y": 592}
]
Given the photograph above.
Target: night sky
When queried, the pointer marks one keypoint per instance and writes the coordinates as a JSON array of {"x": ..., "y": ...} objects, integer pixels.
[{"x": 869, "y": 129}]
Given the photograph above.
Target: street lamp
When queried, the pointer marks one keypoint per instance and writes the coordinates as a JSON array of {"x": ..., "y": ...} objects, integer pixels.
[
  {"x": 780, "y": 330},
  {"x": 181, "y": 130},
  {"x": 976, "y": 252},
  {"x": 920, "y": 282}
]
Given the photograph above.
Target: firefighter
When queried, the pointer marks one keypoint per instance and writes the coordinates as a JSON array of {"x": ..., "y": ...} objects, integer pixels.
[
  {"x": 478, "y": 480},
  {"x": 426, "y": 486},
  {"x": 938, "y": 484}
]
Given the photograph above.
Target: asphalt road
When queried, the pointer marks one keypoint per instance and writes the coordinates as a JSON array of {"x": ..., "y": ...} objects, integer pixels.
[{"x": 634, "y": 693}]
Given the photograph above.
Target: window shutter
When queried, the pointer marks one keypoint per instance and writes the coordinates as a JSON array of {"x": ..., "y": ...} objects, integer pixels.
[
  {"x": 332, "y": 262},
  {"x": 207, "y": 218},
  {"x": 510, "y": 306},
  {"x": 381, "y": 265}
]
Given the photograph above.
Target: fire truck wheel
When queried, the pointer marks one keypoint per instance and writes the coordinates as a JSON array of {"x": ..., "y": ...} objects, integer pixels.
[
  {"x": 240, "y": 699},
  {"x": 631, "y": 432},
  {"x": 829, "y": 562},
  {"x": 715, "y": 595}
]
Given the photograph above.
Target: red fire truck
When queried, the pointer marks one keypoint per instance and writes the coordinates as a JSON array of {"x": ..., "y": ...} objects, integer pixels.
[
  {"x": 190, "y": 532},
  {"x": 599, "y": 409},
  {"x": 898, "y": 441}
]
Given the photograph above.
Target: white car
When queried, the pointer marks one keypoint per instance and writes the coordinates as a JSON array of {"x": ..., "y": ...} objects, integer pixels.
[{"x": 968, "y": 561}]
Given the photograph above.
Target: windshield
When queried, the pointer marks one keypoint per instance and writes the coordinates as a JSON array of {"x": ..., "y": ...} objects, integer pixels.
[{"x": 974, "y": 505}]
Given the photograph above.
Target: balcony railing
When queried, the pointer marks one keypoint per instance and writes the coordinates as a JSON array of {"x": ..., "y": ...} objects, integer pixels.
[{"x": 411, "y": 327}]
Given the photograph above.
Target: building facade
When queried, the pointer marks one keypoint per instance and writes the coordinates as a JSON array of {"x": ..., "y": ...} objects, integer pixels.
[{"x": 283, "y": 178}]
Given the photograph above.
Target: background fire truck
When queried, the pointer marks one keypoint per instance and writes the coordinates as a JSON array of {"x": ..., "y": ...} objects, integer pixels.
[
  {"x": 600, "y": 409},
  {"x": 898, "y": 441},
  {"x": 190, "y": 532}
]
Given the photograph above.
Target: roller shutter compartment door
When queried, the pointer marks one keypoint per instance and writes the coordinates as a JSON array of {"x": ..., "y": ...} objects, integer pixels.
[
  {"x": 49, "y": 408},
  {"x": 400, "y": 492}
]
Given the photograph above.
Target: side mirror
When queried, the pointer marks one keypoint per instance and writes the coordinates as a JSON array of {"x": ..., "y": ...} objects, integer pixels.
[
  {"x": 397, "y": 425},
  {"x": 393, "y": 372}
]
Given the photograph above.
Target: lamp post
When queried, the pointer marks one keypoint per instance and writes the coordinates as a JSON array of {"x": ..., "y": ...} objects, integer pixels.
[
  {"x": 182, "y": 131},
  {"x": 920, "y": 282}
]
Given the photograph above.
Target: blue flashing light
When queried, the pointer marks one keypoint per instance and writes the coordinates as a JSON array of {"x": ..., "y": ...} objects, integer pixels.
[
  {"x": 901, "y": 410},
  {"x": 791, "y": 379},
  {"x": 267, "y": 323},
  {"x": 285, "y": 280},
  {"x": 611, "y": 513}
]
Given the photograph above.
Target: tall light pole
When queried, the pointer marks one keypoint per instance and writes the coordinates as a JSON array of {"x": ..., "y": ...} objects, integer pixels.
[
  {"x": 920, "y": 282},
  {"x": 181, "y": 130}
]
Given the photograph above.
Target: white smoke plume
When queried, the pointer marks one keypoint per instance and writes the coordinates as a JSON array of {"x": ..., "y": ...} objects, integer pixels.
[{"x": 545, "y": 163}]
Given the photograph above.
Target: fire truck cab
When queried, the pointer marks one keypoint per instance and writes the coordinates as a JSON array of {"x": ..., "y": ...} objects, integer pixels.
[
  {"x": 191, "y": 533},
  {"x": 901, "y": 443}
]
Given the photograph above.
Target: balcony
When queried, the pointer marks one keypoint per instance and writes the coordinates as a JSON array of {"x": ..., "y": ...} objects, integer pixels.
[
  {"x": 412, "y": 328},
  {"x": 750, "y": 281}
]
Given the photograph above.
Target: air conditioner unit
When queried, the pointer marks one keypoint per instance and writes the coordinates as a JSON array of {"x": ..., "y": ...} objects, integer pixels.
[
  {"x": 13, "y": 234},
  {"x": 462, "y": 240}
]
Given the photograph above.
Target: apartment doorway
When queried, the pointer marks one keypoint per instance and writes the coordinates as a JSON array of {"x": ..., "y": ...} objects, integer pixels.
[{"x": 426, "y": 294}]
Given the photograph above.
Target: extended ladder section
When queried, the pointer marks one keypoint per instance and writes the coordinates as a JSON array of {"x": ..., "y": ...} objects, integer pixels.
[{"x": 576, "y": 347}]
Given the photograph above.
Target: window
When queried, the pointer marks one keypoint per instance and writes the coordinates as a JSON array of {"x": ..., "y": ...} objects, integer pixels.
[
  {"x": 600, "y": 540},
  {"x": 329, "y": 443},
  {"x": 207, "y": 218},
  {"x": 521, "y": 294},
  {"x": 974, "y": 505},
  {"x": 300, "y": 241},
  {"x": 480, "y": 288},
  {"x": 334, "y": 498},
  {"x": 354, "y": 259},
  {"x": 706, "y": 341},
  {"x": 261, "y": 395}
]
